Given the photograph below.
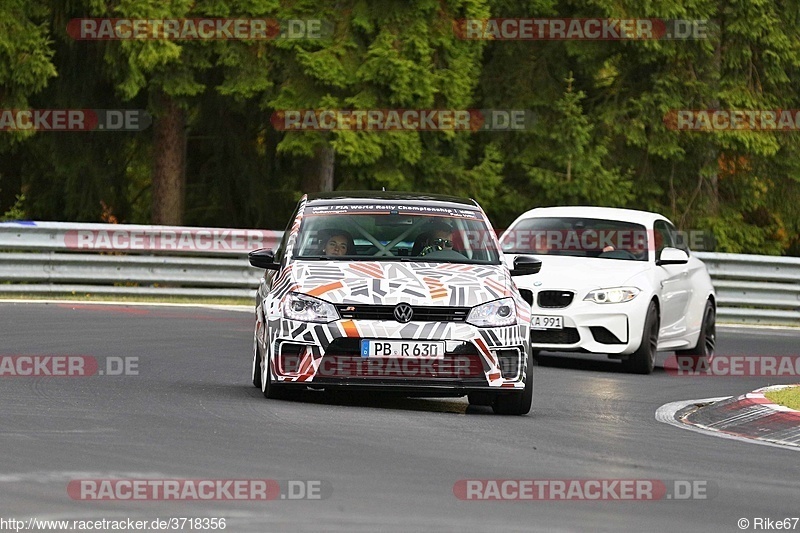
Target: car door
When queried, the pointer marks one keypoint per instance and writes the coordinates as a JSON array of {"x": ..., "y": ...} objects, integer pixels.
[
  {"x": 698, "y": 284},
  {"x": 675, "y": 284}
]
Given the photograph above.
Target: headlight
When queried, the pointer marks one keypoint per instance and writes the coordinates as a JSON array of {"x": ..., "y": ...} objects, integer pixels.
[
  {"x": 306, "y": 308},
  {"x": 614, "y": 295},
  {"x": 497, "y": 313}
]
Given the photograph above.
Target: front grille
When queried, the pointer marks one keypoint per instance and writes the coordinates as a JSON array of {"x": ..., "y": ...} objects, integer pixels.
[
  {"x": 422, "y": 313},
  {"x": 604, "y": 336},
  {"x": 555, "y": 336},
  {"x": 351, "y": 346},
  {"x": 344, "y": 346},
  {"x": 555, "y": 299},
  {"x": 451, "y": 367},
  {"x": 343, "y": 359}
]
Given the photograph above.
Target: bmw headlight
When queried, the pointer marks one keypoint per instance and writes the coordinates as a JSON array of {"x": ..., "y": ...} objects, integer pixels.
[
  {"x": 613, "y": 295},
  {"x": 306, "y": 308},
  {"x": 497, "y": 313}
]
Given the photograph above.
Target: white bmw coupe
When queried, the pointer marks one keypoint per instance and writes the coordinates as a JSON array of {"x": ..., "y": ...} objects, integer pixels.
[{"x": 616, "y": 282}]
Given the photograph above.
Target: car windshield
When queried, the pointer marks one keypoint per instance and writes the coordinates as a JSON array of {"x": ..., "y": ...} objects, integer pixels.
[
  {"x": 580, "y": 237},
  {"x": 395, "y": 232}
]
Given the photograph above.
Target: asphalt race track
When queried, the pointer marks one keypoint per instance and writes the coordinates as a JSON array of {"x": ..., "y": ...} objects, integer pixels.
[{"x": 186, "y": 410}]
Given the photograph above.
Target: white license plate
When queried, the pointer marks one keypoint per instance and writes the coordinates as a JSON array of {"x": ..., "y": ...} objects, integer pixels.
[
  {"x": 411, "y": 349},
  {"x": 547, "y": 322}
]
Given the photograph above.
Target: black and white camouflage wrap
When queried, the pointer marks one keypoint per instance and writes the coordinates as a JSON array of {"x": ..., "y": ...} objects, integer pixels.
[{"x": 389, "y": 283}]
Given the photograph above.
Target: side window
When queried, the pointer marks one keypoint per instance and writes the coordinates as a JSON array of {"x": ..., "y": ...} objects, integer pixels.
[
  {"x": 279, "y": 253},
  {"x": 662, "y": 237},
  {"x": 270, "y": 275},
  {"x": 677, "y": 239}
]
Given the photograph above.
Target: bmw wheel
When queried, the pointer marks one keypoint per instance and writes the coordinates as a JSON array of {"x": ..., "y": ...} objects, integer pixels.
[
  {"x": 704, "y": 351},
  {"x": 643, "y": 360}
]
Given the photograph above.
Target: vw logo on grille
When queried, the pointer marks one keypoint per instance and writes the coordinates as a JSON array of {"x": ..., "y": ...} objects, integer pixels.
[{"x": 403, "y": 313}]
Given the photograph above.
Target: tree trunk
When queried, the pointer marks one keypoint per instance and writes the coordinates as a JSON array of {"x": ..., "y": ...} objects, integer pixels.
[
  {"x": 318, "y": 176},
  {"x": 713, "y": 179},
  {"x": 169, "y": 161},
  {"x": 673, "y": 196}
]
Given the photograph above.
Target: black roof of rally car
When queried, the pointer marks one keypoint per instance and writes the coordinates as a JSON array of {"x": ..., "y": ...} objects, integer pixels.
[{"x": 327, "y": 198}]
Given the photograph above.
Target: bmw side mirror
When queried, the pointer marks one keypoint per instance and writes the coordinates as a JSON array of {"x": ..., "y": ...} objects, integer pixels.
[
  {"x": 525, "y": 265},
  {"x": 672, "y": 256},
  {"x": 263, "y": 258}
]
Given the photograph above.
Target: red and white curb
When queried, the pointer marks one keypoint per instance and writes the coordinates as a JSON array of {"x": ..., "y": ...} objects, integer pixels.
[
  {"x": 758, "y": 396},
  {"x": 747, "y": 409}
]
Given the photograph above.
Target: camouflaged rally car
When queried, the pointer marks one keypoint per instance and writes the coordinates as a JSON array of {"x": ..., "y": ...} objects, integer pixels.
[{"x": 393, "y": 292}]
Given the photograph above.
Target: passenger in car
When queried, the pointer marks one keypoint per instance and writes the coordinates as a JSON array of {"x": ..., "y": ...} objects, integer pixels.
[{"x": 337, "y": 242}]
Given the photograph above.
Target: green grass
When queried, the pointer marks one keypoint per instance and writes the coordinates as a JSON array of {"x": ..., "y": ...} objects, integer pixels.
[
  {"x": 790, "y": 397},
  {"x": 83, "y": 297}
]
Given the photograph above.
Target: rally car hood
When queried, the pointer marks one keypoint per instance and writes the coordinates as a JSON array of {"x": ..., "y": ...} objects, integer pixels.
[
  {"x": 392, "y": 282},
  {"x": 565, "y": 272}
]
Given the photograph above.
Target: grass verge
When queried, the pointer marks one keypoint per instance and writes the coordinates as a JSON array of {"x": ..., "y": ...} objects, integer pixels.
[{"x": 790, "y": 397}]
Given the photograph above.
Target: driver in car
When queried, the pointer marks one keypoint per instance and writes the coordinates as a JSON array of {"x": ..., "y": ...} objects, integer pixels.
[{"x": 437, "y": 236}]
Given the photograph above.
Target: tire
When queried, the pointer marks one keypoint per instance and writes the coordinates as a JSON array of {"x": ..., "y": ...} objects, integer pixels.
[
  {"x": 256, "y": 371},
  {"x": 268, "y": 388},
  {"x": 643, "y": 360},
  {"x": 702, "y": 354},
  {"x": 516, "y": 403}
]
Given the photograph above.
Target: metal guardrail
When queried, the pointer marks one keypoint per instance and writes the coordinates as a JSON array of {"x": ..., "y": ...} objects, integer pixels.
[
  {"x": 755, "y": 289},
  {"x": 172, "y": 240},
  {"x": 60, "y": 258}
]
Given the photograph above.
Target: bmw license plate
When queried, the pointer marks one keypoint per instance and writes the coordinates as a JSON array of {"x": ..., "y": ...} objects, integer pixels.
[
  {"x": 411, "y": 349},
  {"x": 547, "y": 322}
]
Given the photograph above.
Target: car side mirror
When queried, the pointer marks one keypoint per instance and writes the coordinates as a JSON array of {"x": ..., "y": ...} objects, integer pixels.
[
  {"x": 672, "y": 256},
  {"x": 263, "y": 258},
  {"x": 525, "y": 265}
]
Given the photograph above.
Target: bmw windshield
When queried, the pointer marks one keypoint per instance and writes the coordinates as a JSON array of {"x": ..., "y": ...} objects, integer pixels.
[{"x": 579, "y": 237}]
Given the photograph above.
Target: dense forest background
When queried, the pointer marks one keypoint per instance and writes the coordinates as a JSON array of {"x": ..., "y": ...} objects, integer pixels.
[{"x": 212, "y": 157}]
